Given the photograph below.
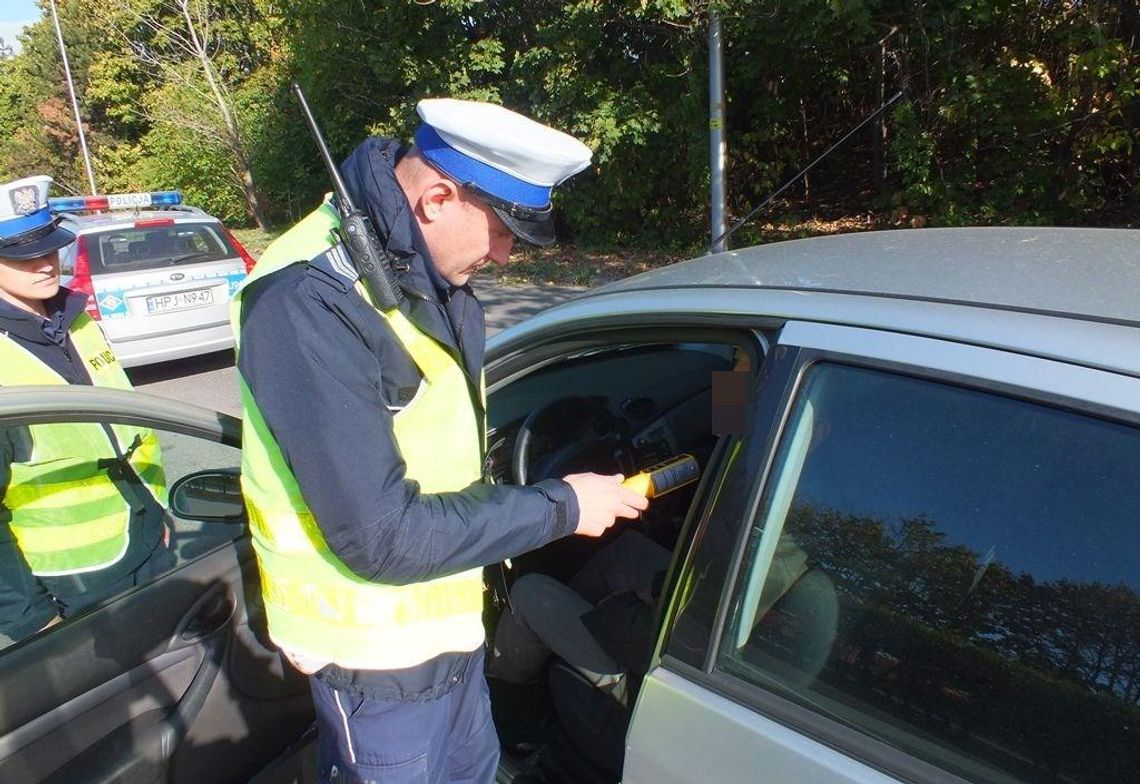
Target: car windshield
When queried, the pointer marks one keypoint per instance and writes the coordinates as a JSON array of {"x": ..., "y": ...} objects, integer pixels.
[{"x": 143, "y": 247}]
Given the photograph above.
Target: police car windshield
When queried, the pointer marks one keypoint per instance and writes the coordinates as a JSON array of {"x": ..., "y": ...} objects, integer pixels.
[{"x": 134, "y": 248}]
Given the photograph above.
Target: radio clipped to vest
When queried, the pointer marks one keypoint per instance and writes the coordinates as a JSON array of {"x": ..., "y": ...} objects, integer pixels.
[{"x": 371, "y": 259}]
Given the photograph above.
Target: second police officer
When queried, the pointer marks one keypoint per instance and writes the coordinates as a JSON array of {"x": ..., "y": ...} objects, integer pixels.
[
  {"x": 363, "y": 444},
  {"x": 82, "y": 504}
]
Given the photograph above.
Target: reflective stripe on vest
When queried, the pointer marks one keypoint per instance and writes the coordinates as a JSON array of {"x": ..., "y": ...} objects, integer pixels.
[
  {"x": 316, "y": 606},
  {"x": 67, "y": 515}
]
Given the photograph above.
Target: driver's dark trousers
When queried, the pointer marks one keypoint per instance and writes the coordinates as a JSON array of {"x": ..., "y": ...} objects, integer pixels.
[
  {"x": 546, "y": 616},
  {"x": 448, "y": 740}
]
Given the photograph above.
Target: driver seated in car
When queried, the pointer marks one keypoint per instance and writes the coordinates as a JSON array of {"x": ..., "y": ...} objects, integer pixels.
[{"x": 601, "y": 623}]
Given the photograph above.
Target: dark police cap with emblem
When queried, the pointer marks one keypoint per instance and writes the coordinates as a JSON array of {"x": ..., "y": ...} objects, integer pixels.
[
  {"x": 28, "y": 229},
  {"x": 509, "y": 161}
]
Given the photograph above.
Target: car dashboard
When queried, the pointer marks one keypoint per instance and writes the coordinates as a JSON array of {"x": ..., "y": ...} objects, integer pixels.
[{"x": 621, "y": 410}]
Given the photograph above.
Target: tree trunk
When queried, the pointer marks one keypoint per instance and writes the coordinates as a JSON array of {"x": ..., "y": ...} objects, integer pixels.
[
  {"x": 879, "y": 140},
  {"x": 233, "y": 136}
]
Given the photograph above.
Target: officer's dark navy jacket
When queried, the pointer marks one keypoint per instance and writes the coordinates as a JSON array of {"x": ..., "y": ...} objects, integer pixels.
[
  {"x": 327, "y": 373},
  {"x": 26, "y": 602},
  {"x": 47, "y": 339}
]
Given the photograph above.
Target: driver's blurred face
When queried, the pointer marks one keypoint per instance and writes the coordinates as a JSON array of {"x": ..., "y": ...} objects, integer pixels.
[{"x": 27, "y": 283}]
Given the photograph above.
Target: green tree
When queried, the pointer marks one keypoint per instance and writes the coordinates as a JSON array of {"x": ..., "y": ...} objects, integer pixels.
[{"x": 199, "y": 51}]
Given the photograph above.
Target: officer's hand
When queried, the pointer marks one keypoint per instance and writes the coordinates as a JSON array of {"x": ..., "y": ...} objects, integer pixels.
[{"x": 601, "y": 500}]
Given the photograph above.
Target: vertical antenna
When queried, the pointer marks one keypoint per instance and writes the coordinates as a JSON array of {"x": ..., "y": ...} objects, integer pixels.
[{"x": 74, "y": 103}]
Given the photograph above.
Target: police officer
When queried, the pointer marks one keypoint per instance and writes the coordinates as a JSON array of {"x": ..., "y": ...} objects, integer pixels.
[
  {"x": 81, "y": 504},
  {"x": 363, "y": 440}
]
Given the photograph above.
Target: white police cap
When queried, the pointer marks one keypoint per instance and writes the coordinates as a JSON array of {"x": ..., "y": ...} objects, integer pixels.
[
  {"x": 28, "y": 229},
  {"x": 510, "y": 161}
]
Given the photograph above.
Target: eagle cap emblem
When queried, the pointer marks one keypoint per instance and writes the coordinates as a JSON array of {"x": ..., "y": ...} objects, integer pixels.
[{"x": 25, "y": 200}]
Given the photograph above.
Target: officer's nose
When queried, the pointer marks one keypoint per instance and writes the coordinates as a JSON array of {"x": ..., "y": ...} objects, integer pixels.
[{"x": 45, "y": 264}]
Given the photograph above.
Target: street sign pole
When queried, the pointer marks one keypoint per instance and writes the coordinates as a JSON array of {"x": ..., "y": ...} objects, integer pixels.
[{"x": 716, "y": 136}]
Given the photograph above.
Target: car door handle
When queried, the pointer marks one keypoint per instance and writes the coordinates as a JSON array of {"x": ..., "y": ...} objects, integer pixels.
[
  {"x": 204, "y": 626},
  {"x": 208, "y": 615},
  {"x": 141, "y": 749}
]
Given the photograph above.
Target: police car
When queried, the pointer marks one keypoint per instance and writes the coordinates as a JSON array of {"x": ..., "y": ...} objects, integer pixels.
[{"x": 158, "y": 274}]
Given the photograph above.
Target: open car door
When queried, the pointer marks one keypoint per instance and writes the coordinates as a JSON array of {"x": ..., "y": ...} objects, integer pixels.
[{"x": 174, "y": 679}]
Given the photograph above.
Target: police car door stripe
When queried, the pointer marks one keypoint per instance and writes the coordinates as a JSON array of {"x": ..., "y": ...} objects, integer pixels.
[{"x": 341, "y": 263}]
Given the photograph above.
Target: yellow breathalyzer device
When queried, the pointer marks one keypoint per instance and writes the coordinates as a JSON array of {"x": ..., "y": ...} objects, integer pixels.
[{"x": 664, "y": 477}]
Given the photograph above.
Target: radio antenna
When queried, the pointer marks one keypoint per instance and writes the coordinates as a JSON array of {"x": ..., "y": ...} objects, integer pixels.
[{"x": 886, "y": 105}]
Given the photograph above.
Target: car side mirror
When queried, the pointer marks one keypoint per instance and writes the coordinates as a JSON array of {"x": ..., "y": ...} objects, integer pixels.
[{"x": 210, "y": 496}]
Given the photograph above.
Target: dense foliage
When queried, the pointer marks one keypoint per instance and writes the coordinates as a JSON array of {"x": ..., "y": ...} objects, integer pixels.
[{"x": 1015, "y": 111}]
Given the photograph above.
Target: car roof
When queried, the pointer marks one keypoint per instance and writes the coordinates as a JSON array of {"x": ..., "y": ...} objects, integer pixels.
[
  {"x": 1086, "y": 273},
  {"x": 99, "y": 220},
  {"x": 1064, "y": 294}
]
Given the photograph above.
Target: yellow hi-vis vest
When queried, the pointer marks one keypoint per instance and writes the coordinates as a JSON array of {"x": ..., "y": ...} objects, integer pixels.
[
  {"x": 67, "y": 514},
  {"x": 318, "y": 610}
]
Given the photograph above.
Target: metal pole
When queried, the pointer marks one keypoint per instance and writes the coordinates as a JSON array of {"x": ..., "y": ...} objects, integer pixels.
[
  {"x": 716, "y": 136},
  {"x": 74, "y": 103}
]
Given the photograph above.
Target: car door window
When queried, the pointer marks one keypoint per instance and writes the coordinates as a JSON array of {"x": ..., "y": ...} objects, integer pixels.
[
  {"x": 953, "y": 572},
  {"x": 84, "y": 515}
]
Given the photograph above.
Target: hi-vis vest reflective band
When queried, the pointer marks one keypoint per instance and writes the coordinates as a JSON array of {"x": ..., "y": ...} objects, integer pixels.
[
  {"x": 317, "y": 608},
  {"x": 67, "y": 514}
]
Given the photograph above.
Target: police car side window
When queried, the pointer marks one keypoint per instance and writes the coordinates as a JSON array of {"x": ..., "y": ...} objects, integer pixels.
[{"x": 953, "y": 572}]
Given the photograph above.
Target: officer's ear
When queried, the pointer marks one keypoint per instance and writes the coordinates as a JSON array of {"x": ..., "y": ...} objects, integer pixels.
[{"x": 437, "y": 198}]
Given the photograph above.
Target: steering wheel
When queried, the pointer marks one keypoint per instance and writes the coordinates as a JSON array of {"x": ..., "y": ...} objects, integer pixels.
[{"x": 595, "y": 440}]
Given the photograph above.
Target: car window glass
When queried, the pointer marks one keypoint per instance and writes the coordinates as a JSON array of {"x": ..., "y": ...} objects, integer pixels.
[
  {"x": 953, "y": 572},
  {"x": 723, "y": 513},
  {"x": 183, "y": 455},
  {"x": 84, "y": 515},
  {"x": 162, "y": 243},
  {"x": 67, "y": 260}
]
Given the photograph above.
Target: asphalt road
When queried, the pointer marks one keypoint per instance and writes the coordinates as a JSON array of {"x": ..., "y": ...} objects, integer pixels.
[{"x": 210, "y": 381}]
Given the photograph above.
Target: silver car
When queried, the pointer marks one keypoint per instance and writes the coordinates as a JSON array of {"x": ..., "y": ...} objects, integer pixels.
[
  {"x": 912, "y": 555},
  {"x": 159, "y": 274}
]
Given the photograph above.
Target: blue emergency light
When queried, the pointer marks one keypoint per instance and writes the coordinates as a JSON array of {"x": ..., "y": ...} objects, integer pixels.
[{"x": 116, "y": 201}]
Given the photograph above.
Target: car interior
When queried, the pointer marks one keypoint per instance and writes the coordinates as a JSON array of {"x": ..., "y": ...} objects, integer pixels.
[
  {"x": 624, "y": 407},
  {"x": 606, "y": 406},
  {"x": 172, "y": 680}
]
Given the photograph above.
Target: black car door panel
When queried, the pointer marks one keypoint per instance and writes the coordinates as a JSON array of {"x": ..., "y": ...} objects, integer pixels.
[{"x": 169, "y": 682}]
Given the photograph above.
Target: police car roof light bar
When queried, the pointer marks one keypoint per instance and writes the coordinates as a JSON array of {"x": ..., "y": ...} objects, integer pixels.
[{"x": 116, "y": 201}]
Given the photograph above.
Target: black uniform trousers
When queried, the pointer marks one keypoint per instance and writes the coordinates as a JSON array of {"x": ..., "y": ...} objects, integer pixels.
[{"x": 447, "y": 740}]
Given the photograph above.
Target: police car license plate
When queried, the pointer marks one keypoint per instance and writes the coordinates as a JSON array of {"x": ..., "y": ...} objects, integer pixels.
[{"x": 182, "y": 300}]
